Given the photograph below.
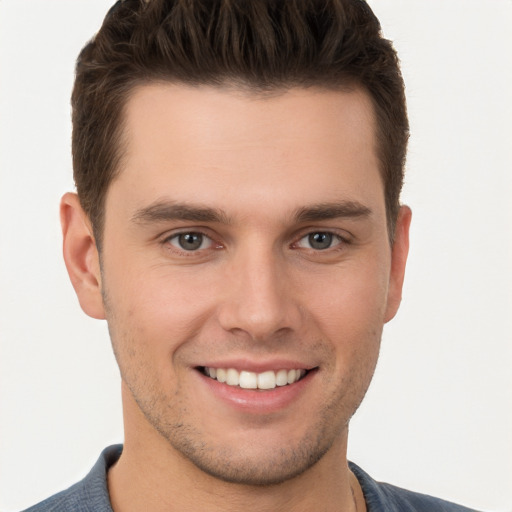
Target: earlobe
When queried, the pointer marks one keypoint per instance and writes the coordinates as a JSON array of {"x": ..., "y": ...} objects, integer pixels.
[
  {"x": 399, "y": 254},
  {"x": 81, "y": 256}
]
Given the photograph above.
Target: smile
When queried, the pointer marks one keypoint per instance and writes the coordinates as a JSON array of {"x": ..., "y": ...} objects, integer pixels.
[{"x": 250, "y": 380}]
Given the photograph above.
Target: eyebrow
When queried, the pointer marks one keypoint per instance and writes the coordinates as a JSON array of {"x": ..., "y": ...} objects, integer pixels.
[
  {"x": 325, "y": 211},
  {"x": 162, "y": 211}
]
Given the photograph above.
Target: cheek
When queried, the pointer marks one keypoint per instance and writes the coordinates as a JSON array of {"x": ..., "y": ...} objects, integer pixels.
[
  {"x": 349, "y": 312},
  {"x": 155, "y": 309},
  {"x": 351, "y": 298}
]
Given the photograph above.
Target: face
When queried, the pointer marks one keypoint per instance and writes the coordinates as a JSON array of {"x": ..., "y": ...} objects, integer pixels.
[{"x": 247, "y": 274}]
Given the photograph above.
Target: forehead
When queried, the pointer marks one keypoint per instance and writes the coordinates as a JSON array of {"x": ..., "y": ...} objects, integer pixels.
[
  {"x": 226, "y": 117},
  {"x": 212, "y": 143}
]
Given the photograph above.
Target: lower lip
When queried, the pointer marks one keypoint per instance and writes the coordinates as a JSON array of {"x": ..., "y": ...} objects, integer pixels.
[{"x": 258, "y": 401}]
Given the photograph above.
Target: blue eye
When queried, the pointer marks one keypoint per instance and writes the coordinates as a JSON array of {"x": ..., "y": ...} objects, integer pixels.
[
  {"x": 319, "y": 241},
  {"x": 190, "y": 241}
]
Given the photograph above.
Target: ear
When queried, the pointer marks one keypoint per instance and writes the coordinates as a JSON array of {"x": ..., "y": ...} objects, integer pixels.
[
  {"x": 399, "y": 253},
  {"x": 81, "y": 256}
]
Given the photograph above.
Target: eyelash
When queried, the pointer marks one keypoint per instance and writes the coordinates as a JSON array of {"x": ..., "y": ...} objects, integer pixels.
[
  {"x": 342, "y": 241},
  {"x": 167, "y": 243},
  {"x": 334, "y": 237}
]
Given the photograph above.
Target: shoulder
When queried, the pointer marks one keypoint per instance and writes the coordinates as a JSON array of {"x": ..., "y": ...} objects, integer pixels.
[
  {"x": 389, "y": 498},
  {"x": 70, "y": 499},
  {"x": 403, "y": 500},
  {"x": 90, "y": 494}
]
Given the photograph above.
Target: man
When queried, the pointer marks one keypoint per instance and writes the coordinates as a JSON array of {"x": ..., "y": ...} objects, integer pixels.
[{"x": 238, "y": 224}]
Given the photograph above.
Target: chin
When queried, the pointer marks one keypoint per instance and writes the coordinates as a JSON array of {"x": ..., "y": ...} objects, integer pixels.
[
  {"x": 255, "y": 459},
  {"x": 257, "y": 469}
]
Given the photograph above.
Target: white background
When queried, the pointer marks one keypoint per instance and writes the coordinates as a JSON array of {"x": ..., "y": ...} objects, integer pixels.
[{"x": 438, "y": 417}]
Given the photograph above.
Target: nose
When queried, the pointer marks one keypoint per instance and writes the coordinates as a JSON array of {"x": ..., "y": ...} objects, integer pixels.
[{"x": 259, "y": 300}]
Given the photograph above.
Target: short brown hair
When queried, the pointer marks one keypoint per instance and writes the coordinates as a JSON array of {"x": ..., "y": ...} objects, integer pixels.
[{"x": 263, "y": 45}]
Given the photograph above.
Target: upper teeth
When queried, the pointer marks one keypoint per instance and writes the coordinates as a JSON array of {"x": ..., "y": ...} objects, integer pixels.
[{"x": 251, "y": 380}]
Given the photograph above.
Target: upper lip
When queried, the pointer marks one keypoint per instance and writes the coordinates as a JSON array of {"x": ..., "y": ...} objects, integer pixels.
[{"x": 257, "y": 366}]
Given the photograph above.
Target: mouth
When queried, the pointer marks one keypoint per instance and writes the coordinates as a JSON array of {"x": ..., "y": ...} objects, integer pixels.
[{"x": 266, "y": 380}]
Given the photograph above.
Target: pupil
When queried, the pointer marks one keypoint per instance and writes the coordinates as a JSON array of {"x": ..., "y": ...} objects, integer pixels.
[
  {"x": 320, "y": 240},
  {"x": 191, "y": 241}
]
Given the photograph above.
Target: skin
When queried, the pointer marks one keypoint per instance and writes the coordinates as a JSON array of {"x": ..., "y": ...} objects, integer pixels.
[{"x": 256, "y": 292}]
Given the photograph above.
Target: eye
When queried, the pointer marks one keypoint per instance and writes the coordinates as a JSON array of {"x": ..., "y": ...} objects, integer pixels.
[
  {"x": 190, "y": 241},
  {"x": 319, "y": 241}
]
